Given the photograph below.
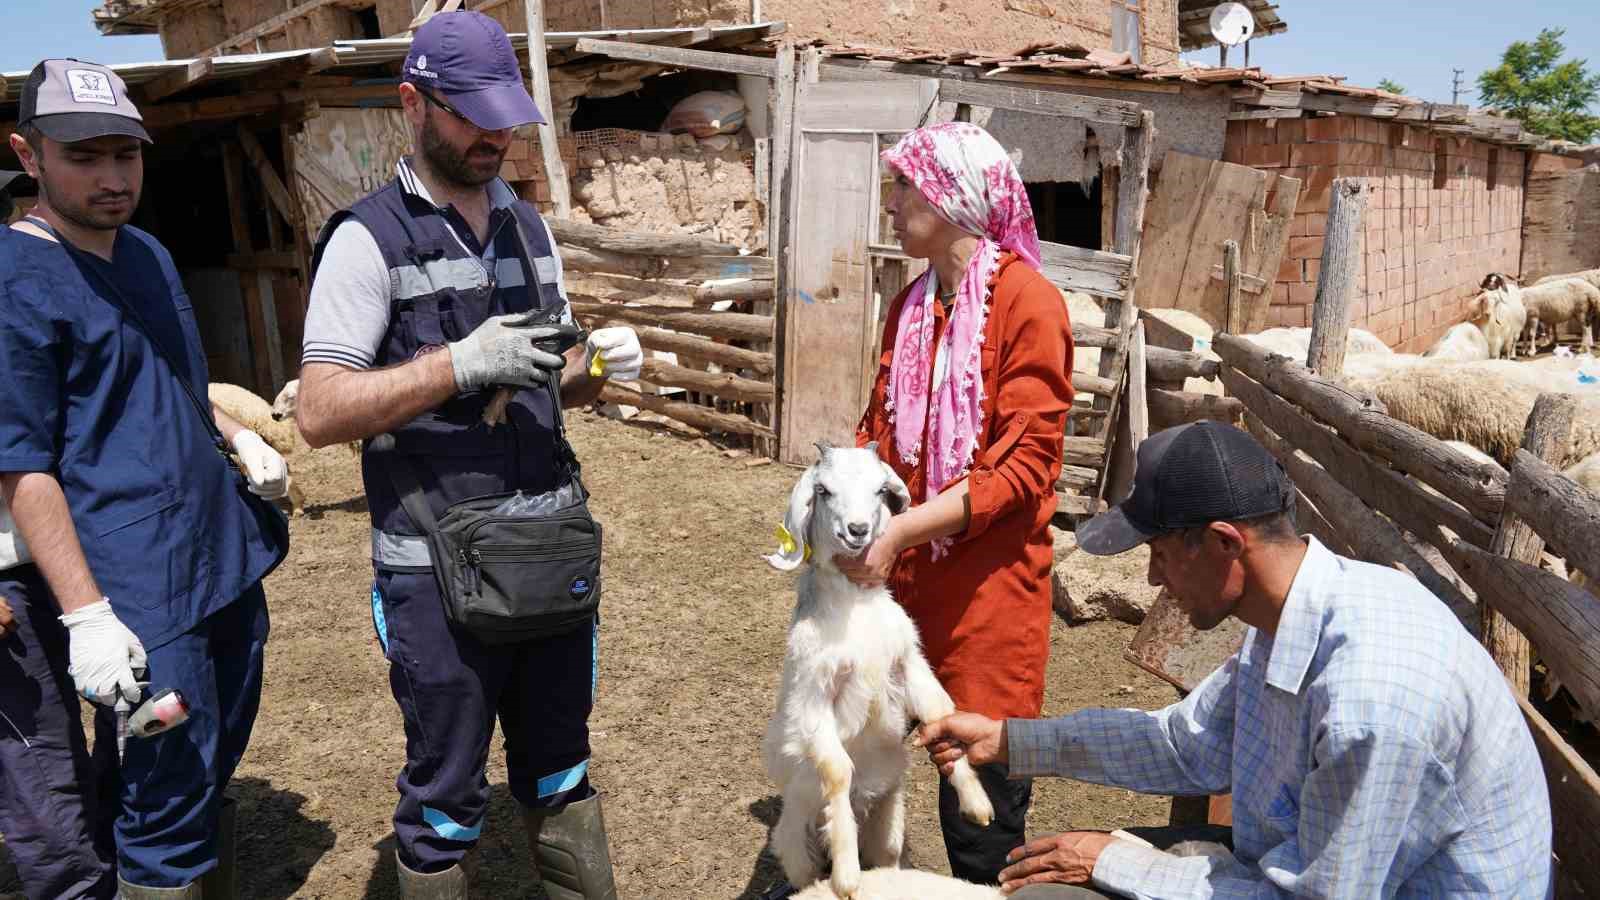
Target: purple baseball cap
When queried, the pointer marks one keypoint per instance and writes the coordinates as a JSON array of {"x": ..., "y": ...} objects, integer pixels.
[
  {"x": 467, "y": 57},
  {"x": 71, "y": 100}
]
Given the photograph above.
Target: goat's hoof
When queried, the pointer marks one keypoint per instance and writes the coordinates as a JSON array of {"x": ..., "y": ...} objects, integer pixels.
[
  {"x": 978, "y": 810},
  {"x": 846, "y": 879}
]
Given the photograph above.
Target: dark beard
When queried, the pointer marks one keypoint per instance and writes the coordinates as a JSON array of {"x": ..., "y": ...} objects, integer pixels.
[
  {"x": 85, "y": 216},
  {"x": 462, "y": 169}
]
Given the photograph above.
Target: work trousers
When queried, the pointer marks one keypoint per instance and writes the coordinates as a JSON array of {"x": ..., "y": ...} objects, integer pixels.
[
  {"x": 165, "y": 794},
  {"x": 451, "y": 687},
  {"x": 49, "y": 786},
  {"x": 978, "y": 853}
]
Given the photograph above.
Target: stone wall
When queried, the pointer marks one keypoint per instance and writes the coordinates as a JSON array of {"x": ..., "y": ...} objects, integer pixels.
[
  {"x": 670, "y": 184},
  {"x": 1445, "y": 212}
]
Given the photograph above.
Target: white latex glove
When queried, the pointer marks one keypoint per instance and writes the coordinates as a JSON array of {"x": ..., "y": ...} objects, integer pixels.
[
  {"x": 264, "y": 468},
  {"x": 614, "y": 352},
  {"x": 103, "y": 655}
]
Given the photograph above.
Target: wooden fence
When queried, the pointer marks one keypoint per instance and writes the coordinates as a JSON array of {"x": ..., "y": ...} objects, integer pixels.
[
  {"x": 1471, "y": 532},
  {"x": 721, "y": 332}
]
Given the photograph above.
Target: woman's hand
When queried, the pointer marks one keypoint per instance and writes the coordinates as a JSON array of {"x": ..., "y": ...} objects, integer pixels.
[{"x": 872, "y": 568}]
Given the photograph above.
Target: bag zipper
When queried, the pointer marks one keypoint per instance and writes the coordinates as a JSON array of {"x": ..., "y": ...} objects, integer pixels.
[{"x": 472, "y": 558}]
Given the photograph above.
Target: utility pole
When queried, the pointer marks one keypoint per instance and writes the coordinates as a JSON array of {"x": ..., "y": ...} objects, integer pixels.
[{"x": 1455, "y": 87}]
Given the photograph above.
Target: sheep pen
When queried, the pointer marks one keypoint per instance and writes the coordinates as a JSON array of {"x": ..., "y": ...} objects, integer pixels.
[{"x": 692, "y": 631}]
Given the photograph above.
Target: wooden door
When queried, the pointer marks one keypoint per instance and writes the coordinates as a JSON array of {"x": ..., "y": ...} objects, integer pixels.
[{"x": 844, "y": 266}]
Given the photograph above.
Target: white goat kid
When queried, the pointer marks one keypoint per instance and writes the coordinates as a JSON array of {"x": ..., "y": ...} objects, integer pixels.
[{"x": 854, "y": 678}]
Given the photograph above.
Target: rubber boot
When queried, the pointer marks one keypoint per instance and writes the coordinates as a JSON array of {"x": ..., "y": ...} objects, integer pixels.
[
  {"x": 451, "y": 884},
  {"x": 219, "y": 883},
  {"x": 128, "y": 891},
  {"x": 569, "y": 847}
]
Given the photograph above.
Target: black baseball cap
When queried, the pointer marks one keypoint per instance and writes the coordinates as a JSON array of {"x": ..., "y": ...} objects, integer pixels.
[
  {"x": 1188, "y": 477},
  {"x": 7, "y": 176},
  {"x": 70, "y": 101},
  {"x": 467, "y": 57}
]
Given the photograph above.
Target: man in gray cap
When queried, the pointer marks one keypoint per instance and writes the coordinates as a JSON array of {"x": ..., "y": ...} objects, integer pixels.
[
  {"x": 148, "y": 548},
  {"x": 8, "y": 206},
  {"x": 428, "y": 296},
  {"x": 1371, "y": 745}
]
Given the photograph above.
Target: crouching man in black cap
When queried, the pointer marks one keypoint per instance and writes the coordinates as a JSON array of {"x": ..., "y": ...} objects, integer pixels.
[{"x": 1371, "y": 745}]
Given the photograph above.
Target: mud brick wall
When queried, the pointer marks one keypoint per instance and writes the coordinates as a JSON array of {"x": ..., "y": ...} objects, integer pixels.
[{"x": 1445, "y": 212}]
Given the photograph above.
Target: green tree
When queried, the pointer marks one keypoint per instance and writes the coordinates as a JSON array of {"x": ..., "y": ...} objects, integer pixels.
[
  {"x": 1548, "y": 96},
  {"x": 1388, "y": 84}
]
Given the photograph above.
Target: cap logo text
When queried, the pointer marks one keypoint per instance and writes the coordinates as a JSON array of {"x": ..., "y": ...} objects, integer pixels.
[
  {"x": 89, "y": 86},
  {"x": 422, "y": 62}
]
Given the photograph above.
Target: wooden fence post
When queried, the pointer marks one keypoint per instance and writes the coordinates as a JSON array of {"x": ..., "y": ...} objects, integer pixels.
[
  {"x": 1336, "y": 282},
  {"x": 1235, "y": 284},
  {"x": 1548, "y": 430},
  {"x": 555, "y": 169}
]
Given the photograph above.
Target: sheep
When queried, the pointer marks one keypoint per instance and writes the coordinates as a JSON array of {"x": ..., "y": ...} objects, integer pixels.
[
  {"x": 1463, "y": 341},
  {"x": 1587, "y": 474},
  {"x": 1500, "y": 315},
  {"x": 287, "y": 403},
  {"x": 1484, "y": 403},
  {"x": 243, "y": 406},
  {"x": 907, "y": 884},
  {"x": 853, "y": 678},
  {"x": 1556, "y": 302},
  {"x": 1590, "y": 275},
  {"x": 1295, "y": 343}
]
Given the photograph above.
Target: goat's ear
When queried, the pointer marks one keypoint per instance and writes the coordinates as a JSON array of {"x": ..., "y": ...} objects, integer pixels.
[
  {"x": 898, "y": 497},
  {"x": 823, "y": 449},
  {"x": 792, "y": 535}
]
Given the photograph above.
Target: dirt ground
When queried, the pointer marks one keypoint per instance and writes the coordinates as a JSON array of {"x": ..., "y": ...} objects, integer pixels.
[{"x": 691, "y": 643}]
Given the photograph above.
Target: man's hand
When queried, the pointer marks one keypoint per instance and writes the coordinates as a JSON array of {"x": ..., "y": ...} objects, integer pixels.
[
  {"x": 502, "y": 351},
  {"x": 103, "y": 654},
  {"x": 617, "y": 351},
  {"x": 8, "y": 620},
  {"x": 980, "y": 739},
  {"x": 1063, "y": 859},
  {"x": 873, "y": 567},
  {"x": 264, "y": 467}
]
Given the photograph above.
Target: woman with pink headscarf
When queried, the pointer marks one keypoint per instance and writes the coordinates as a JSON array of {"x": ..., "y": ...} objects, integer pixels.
[{"x": 969, "y": 408}]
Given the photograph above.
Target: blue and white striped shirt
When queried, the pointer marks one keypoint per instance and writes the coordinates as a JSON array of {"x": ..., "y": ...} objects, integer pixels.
[{"x": 1372, "y": 747}]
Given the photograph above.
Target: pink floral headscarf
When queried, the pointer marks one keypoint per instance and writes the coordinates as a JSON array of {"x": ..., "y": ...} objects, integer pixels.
[{"x": 970, "y": 180}]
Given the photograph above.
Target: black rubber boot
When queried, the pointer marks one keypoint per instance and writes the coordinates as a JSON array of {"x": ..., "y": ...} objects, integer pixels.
[
  {"x": 128, "y": 891},
  {"x": 220, "y": 883},
  {"x": 569, "y": 847}
]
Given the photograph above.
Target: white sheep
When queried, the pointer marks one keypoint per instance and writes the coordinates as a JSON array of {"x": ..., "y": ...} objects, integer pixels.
[
  {"x": 1295, "y": 343},
  {"x": 1587, "y": 474},
  {"x": 906, "y": 884},
  {"x": 1485, "y": 403},
  {"x": 245, "y": 407},
  {"x": 1500, "y": 315},
  {"x": 1590, "y": 275},
  {"x": 1463, "y": 341},
  {"x": 853, "y": 679},
  {"x": 285, "y": 405},
  {"x": 1555, "y": 303}
]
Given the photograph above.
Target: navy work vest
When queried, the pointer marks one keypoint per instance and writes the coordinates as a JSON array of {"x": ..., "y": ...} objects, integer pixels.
[{"x": 439, "y": 291}]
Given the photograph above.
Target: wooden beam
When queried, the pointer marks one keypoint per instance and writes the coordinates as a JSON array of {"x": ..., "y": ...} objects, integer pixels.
[
  {"x": 1090, "y": 271},
  {"x": 1138, "y": 399},
  {"x": 1336, "y": 282},
  {"x": 276, "y": 190},
  {"x": 249, "y": 286},
  {"x": 1362, "y": 421},
  {"x": 1083, "y": 451},
  {"x": 266, "y": 259},
  {"x": 1233, "y": 282},
  {"x": 1251, "y": 114},
  {"x": 194, "y": 73},
  {"x": 694, "y": 268},
  {"x": 718, "y": 384},
  {"x": 599, "y": 237},
  {"x": 1565, "y": 514},
  {"x": 1574, "y": 805},
  {"x": 999, "y": 95},
  {"x": 1546, "y": 435},
  {"x": 734, "y": 326},
  {"x": 269, "y": 26},
  {"x": 1175, "y": 365},
  {"x": 699, "y": 416},
  {"x": 756, "y": 290},
  {"x": 555, "y": 168},
  {"x": 1169, "y": 408},
  {"x": 705, "y": 60}
]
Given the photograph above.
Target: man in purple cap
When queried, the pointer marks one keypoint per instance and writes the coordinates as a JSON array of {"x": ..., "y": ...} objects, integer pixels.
[
  {"x": 1371, "y": 745},
  {"x": 430, "y": 296},
  {"x": 147, "y": 547}
]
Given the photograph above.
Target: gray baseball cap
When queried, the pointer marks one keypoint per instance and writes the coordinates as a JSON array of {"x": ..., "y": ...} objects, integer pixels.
[{"x": 70, "y": 100}]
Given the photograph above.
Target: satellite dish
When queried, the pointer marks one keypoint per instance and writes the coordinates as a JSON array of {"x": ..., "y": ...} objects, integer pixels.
[{"x": 1232, "y": 24}]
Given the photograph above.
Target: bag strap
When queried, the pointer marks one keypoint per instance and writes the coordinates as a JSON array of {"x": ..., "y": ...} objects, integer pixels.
[
  {"x": 569, "y": 457},
  {"x": 405, "y": 484},
  {"x": 128, "y": 308}
]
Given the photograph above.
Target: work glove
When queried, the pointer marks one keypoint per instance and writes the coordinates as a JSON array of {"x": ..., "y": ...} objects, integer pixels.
[
  {"x": 614, "y": 353},
  {"x": 264, "y": 467},
  {"x": 103, "y": 655},
  {"x": 502, "y": 351}
]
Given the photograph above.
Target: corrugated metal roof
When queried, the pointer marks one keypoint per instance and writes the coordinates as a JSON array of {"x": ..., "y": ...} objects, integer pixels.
[{"x": 132, "y": 73}]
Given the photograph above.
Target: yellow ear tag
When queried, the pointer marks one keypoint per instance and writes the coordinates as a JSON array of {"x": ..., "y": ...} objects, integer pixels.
[
  {"x": 597, "y": 367},
  {"x": 786, "y": 542}
]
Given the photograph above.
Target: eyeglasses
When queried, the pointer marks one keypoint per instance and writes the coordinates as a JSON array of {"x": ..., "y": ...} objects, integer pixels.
[{"x": 430, "y": 98}]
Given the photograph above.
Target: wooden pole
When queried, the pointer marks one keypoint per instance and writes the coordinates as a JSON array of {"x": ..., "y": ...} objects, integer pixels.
[
  {"x": 1336, "y": 283},
  {"x": 1548, "y": 430},
  {"x": 1235, "y": 283},
  {"x": 555, "y": 168}
]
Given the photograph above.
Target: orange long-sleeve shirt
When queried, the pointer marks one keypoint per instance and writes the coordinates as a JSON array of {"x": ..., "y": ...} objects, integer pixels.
[{"x": 983, "y": 610}]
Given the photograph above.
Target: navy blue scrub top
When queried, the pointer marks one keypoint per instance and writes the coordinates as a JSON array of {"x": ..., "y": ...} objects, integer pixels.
[{"x": 168, "y": 527}]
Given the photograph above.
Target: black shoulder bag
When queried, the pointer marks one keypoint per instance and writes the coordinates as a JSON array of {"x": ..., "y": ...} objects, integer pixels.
[
  {"x": 273, "y": 522},
  {"x": 506, "y": 579}
]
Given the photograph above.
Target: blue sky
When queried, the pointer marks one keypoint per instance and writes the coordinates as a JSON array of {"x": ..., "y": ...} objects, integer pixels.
[{"x": 1415, "y": 42}]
